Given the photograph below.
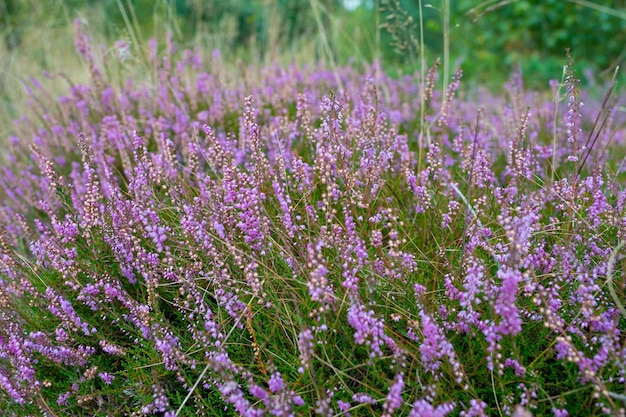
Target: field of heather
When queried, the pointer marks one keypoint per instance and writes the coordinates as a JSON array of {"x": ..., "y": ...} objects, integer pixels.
[{"x": 310, "y": 239}]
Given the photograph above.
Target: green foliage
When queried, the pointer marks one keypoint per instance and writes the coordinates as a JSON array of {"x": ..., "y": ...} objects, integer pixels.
[
  {"x": 491, "y": 39},
  {"x": 533, "y": 36},
  {"x": 488, "y": 39}
]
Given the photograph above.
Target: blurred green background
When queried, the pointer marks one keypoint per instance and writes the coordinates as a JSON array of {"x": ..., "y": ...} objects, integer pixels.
[{"x": 489, "y": 39}]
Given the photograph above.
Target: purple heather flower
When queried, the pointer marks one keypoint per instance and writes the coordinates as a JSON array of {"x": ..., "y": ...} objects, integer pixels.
[
  {"x": 62, "y": 398},
  {"x": 434, "y": 345},
  {"x": 318, "y": 282},
  {"x": 305, "y": 345},
  {"x": 363, "y": 398},
  {"x": 510, "y": 321},
  {"x": 344, "y": 407},
  {"x": 298, "y": 400},
  {"x": 394, "y": 397},
  {"x": 258, "y": 392},
  {"x": 423, "y": 408},
  {"x": 276, "y": 382},
  {"x": 369, "y": 330},
  {"x": 517, "y": 367},
  {"x": 477, "y": 409},
  {"x": 106, "y": 377}
]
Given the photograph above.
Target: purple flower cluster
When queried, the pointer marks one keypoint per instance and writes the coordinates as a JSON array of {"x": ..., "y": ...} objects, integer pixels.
[{"x": 287, "y": 243}]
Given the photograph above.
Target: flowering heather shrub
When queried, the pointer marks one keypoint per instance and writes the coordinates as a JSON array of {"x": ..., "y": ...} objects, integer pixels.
[{"x": 292, "y": 246}]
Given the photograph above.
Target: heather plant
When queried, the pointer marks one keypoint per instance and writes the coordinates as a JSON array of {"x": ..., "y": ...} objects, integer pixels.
[{"x": 307, "y": 241}]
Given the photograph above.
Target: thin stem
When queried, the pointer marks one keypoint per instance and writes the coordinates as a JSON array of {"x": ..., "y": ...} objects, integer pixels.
[{"x": 445, "y": 11}]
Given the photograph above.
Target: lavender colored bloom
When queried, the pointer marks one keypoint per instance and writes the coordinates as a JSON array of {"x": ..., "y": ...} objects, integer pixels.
[
  {"x": 62, "y": 399},
  {"x": 106, "y": 377},
  {"x": 344, "y": 407},
  {"x": 305, "y": 345},
  {"x": 425, "y": 409},
  {"x": 363, "y": 398},
  {"x": 318, "y": 283},
  {"x": 434, "y": 345},
  {"x": 394, "y": 397},
  {"x": 276, "y": 382},
  {"x": 517, "y": 367},
  {"x": 510, "y": 322},
  {"x": 369, "y": 330},
  {"x": 258, "y": 392},
  {"x": 477, "y": 409}
]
